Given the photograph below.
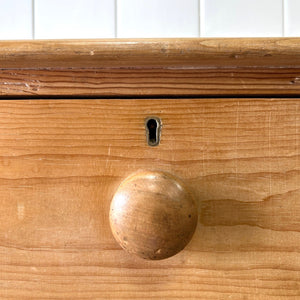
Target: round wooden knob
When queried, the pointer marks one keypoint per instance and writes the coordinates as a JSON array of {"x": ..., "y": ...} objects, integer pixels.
[{"x": 153, "y": 215}]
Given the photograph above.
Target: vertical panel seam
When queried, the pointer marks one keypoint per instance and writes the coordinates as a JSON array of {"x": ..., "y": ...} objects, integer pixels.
[
  {"x": 283, "y": 17},
  {"x": 33, "y": 18},
  {"x": 116, "y": 18},
  {"x": 199, "y": 24},
  {"x": 201, "y": 17}
]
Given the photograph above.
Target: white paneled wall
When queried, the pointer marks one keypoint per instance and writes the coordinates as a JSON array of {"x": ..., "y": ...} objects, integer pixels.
[
  {"x": 55, "y": 19},
  {"x": 16, "y": 19},
  {"x": 241, "y": 18},
  {"x": 292, "y": 17},
  {"x": 74, "y": 19},
  {"x": 157, "y": 18}
]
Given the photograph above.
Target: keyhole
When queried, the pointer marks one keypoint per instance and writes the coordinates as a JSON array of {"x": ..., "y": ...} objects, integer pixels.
[{"x": 153, "y": 131}]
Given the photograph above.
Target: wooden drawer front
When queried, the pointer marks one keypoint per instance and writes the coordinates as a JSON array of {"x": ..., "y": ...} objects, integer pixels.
[{"x": 62, "y": 160}]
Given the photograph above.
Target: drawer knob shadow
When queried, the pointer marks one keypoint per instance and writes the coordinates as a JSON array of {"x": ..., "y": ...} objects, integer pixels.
[{"x": 153, "y": 215}]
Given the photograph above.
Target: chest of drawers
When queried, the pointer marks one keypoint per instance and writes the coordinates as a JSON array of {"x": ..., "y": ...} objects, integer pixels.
[{"x": 73, "y": 118}]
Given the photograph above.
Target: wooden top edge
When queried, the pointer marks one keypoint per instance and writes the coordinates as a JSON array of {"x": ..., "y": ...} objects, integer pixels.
[{"x": 151, "y": 53}]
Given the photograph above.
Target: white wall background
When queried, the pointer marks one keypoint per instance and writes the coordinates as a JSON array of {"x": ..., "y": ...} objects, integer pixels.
[{"x": 60, "y": 19}]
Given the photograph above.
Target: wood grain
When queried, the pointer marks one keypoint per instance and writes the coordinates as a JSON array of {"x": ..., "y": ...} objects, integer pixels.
[
  {"x": 118, "y": 53},
  {"x": 153, "y": 215},
  {"x": 153, "y": 67},
  {"x": 62, "y": 160}
]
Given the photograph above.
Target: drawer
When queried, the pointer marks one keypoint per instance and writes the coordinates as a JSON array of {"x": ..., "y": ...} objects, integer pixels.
[{"x": 62, "y": 160}]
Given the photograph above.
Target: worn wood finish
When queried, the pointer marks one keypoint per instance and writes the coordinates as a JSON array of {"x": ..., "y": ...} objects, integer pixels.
[
  {"x": 118, "y": 53},
  {"x": 143, "y": 82},
  {"x": 61, "y": 162},
  {"x": 265, "y": 66},
  {"x": 153, "y": 215}
]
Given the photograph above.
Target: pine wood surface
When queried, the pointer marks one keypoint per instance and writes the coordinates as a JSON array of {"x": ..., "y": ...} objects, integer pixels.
[
  {"x": 153, "y": 215},
  {"x": 153, "y": 67},
  {"x": 61, "y": 162}
]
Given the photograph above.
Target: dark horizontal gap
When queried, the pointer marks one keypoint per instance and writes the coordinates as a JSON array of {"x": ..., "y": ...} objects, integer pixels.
[{"x": 73, "y": 97}]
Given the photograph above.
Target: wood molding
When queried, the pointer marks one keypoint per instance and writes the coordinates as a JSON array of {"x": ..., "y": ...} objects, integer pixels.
[{"x": 150, "y": 67}]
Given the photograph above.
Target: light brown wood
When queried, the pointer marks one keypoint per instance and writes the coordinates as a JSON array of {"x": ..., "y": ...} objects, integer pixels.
[
  {"x": 192, "y": 52},
  {"x": 61, "y": 161},
  {"x": 156, "y": 67},
  {"x": 153, "y": 215}
]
